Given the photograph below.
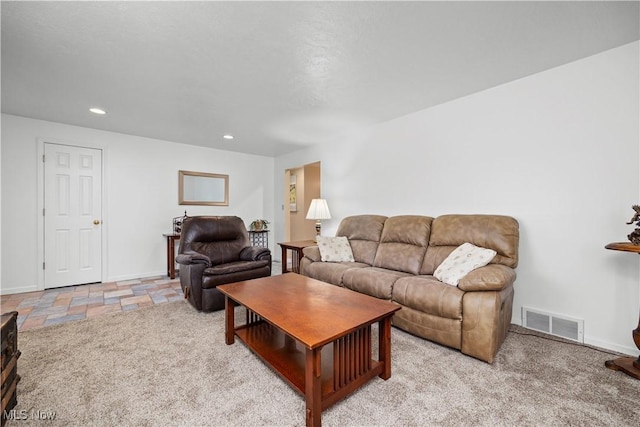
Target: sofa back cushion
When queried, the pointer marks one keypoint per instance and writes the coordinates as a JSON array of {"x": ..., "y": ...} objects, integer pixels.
[
  {"x": 363, "y": 232},
  {"x": 497, "y": 232},
  {"x": 403, "y": 243}
]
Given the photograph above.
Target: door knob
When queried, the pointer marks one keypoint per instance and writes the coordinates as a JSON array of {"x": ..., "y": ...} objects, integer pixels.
[{"x": 96, "y": 221}]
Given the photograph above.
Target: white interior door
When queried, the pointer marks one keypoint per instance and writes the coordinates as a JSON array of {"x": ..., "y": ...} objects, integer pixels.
[{"x": 72, "y": 215}]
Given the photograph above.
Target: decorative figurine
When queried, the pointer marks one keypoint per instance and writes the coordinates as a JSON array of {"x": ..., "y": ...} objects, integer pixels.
[{"x": 634, "y": 237}]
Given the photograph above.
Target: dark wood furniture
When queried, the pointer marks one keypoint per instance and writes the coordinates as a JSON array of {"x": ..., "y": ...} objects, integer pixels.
[
  {"x": 628, "y": 365},
  {"x": 296, "y": 254},
  {"x": 171, "y": 254},
  {"x": 316, "y": 336},
  {"x": 10, "y": 355}
]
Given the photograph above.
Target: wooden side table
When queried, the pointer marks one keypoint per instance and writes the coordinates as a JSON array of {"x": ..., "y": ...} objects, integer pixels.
[
  {"x": 628, "y": 365},
  {"x": 296, "y": 253},
  {"x": 171, "y": 254}
]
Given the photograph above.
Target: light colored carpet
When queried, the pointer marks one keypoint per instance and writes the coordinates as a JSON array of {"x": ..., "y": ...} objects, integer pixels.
[{"x": 168, "y": 365}]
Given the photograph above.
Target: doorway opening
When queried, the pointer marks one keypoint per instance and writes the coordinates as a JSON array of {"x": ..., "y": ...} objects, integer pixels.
[{"x": 302, "y": 184}]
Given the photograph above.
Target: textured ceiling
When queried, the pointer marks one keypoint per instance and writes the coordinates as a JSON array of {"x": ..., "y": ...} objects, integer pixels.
[{"x": 280, "y": 75}]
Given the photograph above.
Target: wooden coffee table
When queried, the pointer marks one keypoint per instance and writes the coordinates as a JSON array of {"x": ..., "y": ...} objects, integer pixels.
[{"x": 316, "y": 336}]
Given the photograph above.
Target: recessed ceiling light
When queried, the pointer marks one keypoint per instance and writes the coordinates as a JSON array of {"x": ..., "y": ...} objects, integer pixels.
[
  {"x": 227, "y": 136},
  {"x": 99, "y": 111}
]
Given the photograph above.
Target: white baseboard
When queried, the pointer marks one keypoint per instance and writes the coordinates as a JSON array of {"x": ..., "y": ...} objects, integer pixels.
[
  {"x": 138, "y": 276},
  {"x": 601, "y": 344},
  {"x": 632, "y": 351},
  {"x": 4, "y": 290}
]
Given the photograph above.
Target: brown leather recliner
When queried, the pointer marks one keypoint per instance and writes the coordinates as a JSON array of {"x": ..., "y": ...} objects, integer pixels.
[{"x": 215, "y": 250}]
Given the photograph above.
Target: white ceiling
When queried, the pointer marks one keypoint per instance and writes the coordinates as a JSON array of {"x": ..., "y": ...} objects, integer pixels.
[{"x": 280, "y": 75}]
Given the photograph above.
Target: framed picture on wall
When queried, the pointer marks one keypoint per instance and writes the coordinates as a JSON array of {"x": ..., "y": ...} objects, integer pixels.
[{"x": 293, "y": 206}]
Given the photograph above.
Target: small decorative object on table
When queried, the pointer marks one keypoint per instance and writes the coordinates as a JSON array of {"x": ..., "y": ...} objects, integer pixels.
[
  {"x": 259, "y": 225},
  {"x": 177, "y": 223},
  {"x": 634, "y": 237}
]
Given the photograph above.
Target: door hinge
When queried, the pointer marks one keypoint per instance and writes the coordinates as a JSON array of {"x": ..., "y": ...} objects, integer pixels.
[
  {"x": 42, "y": 211},
  {"x": 43, "y": 158},
  {"x": 43, "y": 265}
]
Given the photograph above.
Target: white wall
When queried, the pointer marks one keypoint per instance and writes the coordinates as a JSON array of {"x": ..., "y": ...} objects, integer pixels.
[
  {"x": 141, "y": 185},
  {"x": 557, "y": 150}
]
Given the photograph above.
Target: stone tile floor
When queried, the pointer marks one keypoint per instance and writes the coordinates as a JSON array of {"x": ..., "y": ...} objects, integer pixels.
[{"x": 59, "y": 305}]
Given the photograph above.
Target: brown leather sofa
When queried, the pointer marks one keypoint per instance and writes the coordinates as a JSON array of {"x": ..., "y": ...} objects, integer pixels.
[
  {"x": 215, "y": 250},
  {"x": 395, "y": 258}
]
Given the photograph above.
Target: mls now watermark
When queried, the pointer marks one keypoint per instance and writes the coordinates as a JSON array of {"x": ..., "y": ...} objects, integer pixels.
[{"x": 24, "y": 415}]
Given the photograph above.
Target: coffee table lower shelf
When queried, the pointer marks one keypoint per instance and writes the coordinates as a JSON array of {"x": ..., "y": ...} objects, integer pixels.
[
  {"x": 345, "y": 364},
  {"x": 324, "y": 375}
]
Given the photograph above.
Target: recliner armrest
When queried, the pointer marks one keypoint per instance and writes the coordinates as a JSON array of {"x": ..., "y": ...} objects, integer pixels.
[
  {"x": 254, "y": 253},
  {"x": 492, "y": 277},
  {"x": 193, "y": 258}
]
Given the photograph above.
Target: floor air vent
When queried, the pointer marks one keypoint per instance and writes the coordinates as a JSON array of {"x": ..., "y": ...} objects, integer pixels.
[{"x": 554, "y": 324}]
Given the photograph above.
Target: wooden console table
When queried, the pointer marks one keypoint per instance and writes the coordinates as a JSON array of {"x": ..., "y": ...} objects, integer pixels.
[
  {"x": 296, "y": 253},
  {"x": 171, "y": 254},
  {"x": 628, "y": 365}
]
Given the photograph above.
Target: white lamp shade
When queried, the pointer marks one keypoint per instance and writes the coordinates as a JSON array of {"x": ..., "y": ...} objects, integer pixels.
[{"x": 318, "y": 210}]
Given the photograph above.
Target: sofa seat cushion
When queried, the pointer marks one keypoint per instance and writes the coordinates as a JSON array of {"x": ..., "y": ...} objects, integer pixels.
[
  {"x": 428, "y": 295},
  {"x": 330, "y": 272},
  {"x": 373, "y": 281}
]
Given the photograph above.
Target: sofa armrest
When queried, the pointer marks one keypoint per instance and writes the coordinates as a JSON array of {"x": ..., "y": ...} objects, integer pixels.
[
  {"x": 313, "y": 253},
  {"x": 492, "y": 277},
  {"x": 193, "y": 258},
  {"x": 254, "y": 253}
]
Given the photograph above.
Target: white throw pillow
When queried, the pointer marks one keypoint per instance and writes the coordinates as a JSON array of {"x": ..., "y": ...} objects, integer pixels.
[
  {"x": 335, "y": 249},
  {"x": 464, "y": 259}
]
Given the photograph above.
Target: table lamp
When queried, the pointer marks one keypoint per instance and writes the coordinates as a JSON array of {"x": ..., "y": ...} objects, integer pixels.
[{"x": 318, "y": 210}]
